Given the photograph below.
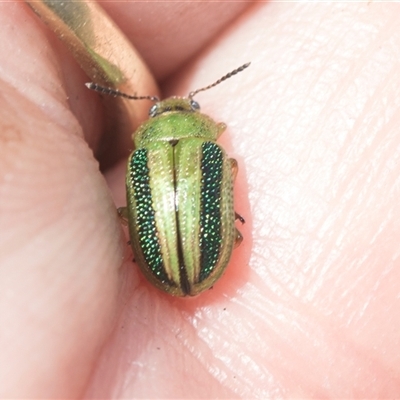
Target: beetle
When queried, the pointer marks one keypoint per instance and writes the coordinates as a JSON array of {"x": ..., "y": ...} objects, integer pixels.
[{"x": 179, "y": 189}]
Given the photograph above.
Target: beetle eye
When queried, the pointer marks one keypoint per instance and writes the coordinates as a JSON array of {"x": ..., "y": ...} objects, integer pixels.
[
  {"x": 195, "y": 105},
  {"x": 153, "y": 110}
]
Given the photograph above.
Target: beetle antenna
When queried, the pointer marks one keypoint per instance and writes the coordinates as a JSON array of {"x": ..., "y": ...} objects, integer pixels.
[
  {"x": 115, "y": 92},
  {"x": 224, "y": 78}
]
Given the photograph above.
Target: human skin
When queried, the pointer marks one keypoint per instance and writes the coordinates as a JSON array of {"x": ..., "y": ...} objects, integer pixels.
[{"x": 308, "y": 306}]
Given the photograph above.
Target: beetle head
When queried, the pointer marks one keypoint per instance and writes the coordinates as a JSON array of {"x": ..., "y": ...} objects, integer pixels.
[{"x": 179, "y": 104}]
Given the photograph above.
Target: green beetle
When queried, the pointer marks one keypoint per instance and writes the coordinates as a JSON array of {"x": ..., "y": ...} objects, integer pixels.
[{"x": 179, "y": 187}]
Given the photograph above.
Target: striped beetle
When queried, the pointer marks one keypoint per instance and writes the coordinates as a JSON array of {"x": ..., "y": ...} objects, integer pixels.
[{"x": 179, "y": 186}]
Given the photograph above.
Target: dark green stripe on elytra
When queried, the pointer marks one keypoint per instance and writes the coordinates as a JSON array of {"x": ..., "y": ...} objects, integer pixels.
[
  {"x": 146, "y": 225},
  {"x": 210, "y": 214}
]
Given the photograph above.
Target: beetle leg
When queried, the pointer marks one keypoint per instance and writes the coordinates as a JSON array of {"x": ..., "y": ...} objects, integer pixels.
[
  {"x": 238, "y": 239},
  {"x": 239, "y": 217},
  {"x": 221, "y": 126},
  {"x": 123, "y": 215},
  {"x": 234, "y": 167}
]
